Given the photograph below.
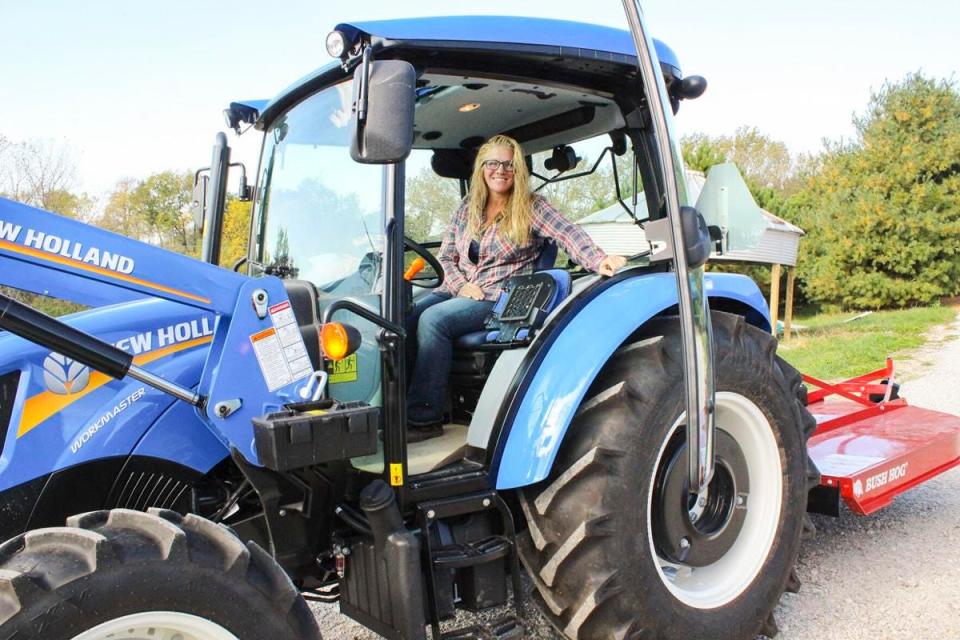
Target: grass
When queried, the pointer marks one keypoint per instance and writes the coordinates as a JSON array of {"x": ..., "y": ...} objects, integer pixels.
[{"x": 833, "y": 347}]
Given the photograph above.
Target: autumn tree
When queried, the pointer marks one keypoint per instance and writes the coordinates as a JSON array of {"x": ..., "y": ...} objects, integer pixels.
[
  {"x": 163, "y": 201},
  {"x": 883, "y": 211},
  {"x": 700, "y": 151},
  {"x": 155, "y": 210},
  {"x": 42, "y": 174},
  {"x": 236, "y": 232},
  {"x": 764, "y": 162}
]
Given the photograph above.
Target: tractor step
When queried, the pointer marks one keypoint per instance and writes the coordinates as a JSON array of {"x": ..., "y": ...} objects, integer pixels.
[
  {"x": 869, "y": 455},
  {"x": 470, "y": 554},
  {"x": 481, "y": 581},
  {"x": 473, "y": 632},
  {"x": 506, "y": 628}
]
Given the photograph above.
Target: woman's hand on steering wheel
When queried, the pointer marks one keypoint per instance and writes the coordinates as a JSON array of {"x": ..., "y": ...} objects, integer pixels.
[{"x": 430, "y": 259}]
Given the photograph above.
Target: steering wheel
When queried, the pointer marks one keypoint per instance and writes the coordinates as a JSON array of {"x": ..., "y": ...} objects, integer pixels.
[{"x": 432, "y": 262}]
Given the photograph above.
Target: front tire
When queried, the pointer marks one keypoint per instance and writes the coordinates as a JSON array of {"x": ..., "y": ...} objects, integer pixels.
[
  {"x": 610, "y": 546},
  {"x": 155, "y": 576}
]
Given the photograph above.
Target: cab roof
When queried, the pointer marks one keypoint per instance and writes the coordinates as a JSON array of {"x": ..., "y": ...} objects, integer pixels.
[
  {"x": 510, "y": 30},
  {"x": 501, "y": 35}
]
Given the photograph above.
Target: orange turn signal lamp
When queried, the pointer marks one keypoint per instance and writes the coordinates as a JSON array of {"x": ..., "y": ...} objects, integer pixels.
[
  {"x": 415, "y": 267},
  {"x": 338, "y": 340}
]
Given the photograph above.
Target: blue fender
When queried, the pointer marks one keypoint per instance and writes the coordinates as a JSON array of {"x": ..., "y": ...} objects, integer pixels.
[
  {"x": 537, "y": 421},
  {"x": 180, "y": 436},
  {"x": 65, "y": 415}
]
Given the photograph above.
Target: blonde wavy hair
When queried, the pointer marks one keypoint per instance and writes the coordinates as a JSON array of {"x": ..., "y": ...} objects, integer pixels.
[{"x": 517, "y": 214}]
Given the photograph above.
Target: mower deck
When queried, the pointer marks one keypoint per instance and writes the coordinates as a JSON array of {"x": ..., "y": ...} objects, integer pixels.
[{"x": 871, "y": 451}]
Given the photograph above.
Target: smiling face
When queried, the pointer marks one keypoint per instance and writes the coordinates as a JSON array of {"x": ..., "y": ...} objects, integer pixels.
[{"x": 498, "y": 179}]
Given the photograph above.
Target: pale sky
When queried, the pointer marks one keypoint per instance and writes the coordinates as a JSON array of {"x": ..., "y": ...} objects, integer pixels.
[{"x": 137, "y": 87}]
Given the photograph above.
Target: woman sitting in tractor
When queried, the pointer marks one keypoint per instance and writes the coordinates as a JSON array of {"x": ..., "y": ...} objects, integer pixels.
[{"x": 497, "y": 232}]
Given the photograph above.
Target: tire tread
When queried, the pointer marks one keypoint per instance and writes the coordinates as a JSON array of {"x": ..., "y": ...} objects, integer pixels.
[
  {"x": 35, "y": 565},
  {"x": 563, "y": 544}
]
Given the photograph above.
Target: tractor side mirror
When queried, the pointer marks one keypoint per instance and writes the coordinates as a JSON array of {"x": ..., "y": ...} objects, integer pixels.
[
  {"x": 696, "y": 237},
  {"x": 694, "y": 233},
  {"x": 382, "y": 122}
]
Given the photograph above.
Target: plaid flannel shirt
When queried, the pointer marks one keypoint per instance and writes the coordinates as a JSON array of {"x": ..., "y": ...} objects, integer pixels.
[{"x": 500, "y": 258}]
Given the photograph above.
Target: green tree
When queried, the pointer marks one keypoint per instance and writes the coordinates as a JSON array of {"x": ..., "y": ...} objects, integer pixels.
[
  {"x": 154, "y": 210},
  {"x": 163, "y": 202},
  {"x": 581, "y": 196},
  {"x": 766, "y": 164},
  {"x": 121, "y": 213},
  {"x": 431, "y": 201},
  {"x": 883, "y": 211},
  {"x": 700, "y": 151}
]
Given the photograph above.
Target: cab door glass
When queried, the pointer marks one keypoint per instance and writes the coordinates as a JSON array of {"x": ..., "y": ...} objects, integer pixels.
[
  {"x": 320, "y": 213},
  {"x": 320, "y": 219}
]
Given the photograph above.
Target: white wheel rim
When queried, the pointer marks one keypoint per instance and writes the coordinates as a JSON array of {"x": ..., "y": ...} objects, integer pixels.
[
  {"x": 717, "y": 584},
  {"x": 157, "y": 625}
]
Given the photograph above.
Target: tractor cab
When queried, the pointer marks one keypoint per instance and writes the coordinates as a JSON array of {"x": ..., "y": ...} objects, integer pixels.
[{"x": 330, "y": 227}]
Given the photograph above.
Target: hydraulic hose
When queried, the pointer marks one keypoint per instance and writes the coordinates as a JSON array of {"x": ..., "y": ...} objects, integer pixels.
[{"x": 38, "y": 327}]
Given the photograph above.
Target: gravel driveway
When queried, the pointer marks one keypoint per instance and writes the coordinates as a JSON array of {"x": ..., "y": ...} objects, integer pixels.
[{"x": 894, "y": 575}]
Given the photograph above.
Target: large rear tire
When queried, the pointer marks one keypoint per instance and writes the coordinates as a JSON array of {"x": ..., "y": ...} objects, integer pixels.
[
  {"x": 155, "y": 576},
  {"x": 610, "y": 546}
]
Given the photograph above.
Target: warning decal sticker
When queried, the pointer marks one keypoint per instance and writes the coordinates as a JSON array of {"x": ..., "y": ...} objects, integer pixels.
[
  {"x": 344, "y": 370},
  {"x": 280, "y": 351},
  {"x": 845, "y": 465},
  {"x": 396, "y": 475}
]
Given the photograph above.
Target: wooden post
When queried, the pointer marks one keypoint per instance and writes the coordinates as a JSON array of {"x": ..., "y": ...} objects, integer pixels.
[
  {"x": 788, "y": 320},
  {"x": 774, "y": 297}
]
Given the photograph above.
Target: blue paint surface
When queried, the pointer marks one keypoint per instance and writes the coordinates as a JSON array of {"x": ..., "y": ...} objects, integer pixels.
[
  {"x": 576, "y": 357},
  {"x": 512, "y": 30}
]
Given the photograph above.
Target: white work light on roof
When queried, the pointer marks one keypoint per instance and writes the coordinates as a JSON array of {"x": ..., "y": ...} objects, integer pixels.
[{"x": 336, "y": 43}]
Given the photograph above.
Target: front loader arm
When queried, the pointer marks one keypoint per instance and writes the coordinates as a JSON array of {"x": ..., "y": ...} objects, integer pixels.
[
  {"x": 256, "y": 363},
  {"x": 49, "y": 254}
]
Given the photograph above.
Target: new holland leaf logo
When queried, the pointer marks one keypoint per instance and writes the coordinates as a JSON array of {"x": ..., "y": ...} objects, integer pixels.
[{"x": 63, "y": 375}]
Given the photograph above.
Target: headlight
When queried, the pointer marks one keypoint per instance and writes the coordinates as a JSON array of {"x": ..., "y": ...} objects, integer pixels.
[{"x": 336, "y": 43}]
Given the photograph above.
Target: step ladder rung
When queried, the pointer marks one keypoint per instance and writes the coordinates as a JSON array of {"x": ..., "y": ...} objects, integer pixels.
[{"x": 469, "y": 554}]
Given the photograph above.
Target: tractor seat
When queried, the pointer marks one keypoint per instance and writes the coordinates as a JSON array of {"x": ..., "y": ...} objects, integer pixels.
[{"x": 523, "y": 305}]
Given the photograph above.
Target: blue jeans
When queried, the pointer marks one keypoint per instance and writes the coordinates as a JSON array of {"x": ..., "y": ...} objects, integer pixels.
[{"x": 436, "y": 321}]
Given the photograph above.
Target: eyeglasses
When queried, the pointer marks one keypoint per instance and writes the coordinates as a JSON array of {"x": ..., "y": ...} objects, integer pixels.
[{"x": 492, "y": 165}]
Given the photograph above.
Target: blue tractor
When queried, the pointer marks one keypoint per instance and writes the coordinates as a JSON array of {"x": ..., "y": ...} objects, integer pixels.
[{"x": 224, "y": 445}]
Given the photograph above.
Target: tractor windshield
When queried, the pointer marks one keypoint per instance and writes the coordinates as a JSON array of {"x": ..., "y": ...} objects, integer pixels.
[{"x": 319, "y": 214}]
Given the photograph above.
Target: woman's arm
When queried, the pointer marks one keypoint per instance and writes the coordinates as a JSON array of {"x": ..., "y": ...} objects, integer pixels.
[
  {"x": 449, "y": 256},
  {"x": 550, "y": 223}
]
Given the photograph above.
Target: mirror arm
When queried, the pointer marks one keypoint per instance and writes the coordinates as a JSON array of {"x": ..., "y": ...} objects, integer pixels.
[
  {"x": 364, "y": 87},
  {"x": 244, "y": 192},
  {"x": 560, "y": 177}
]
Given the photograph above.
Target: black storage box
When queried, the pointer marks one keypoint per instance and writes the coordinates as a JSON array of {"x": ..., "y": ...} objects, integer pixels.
[{"x": 313, "y": 432}]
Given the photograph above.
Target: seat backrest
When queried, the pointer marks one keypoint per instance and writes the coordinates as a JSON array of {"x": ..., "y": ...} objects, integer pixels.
[{"x": 547, "y": 257}]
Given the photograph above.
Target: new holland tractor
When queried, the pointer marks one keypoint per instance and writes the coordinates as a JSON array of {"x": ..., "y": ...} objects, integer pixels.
[{"x": 204, "y": 450}]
